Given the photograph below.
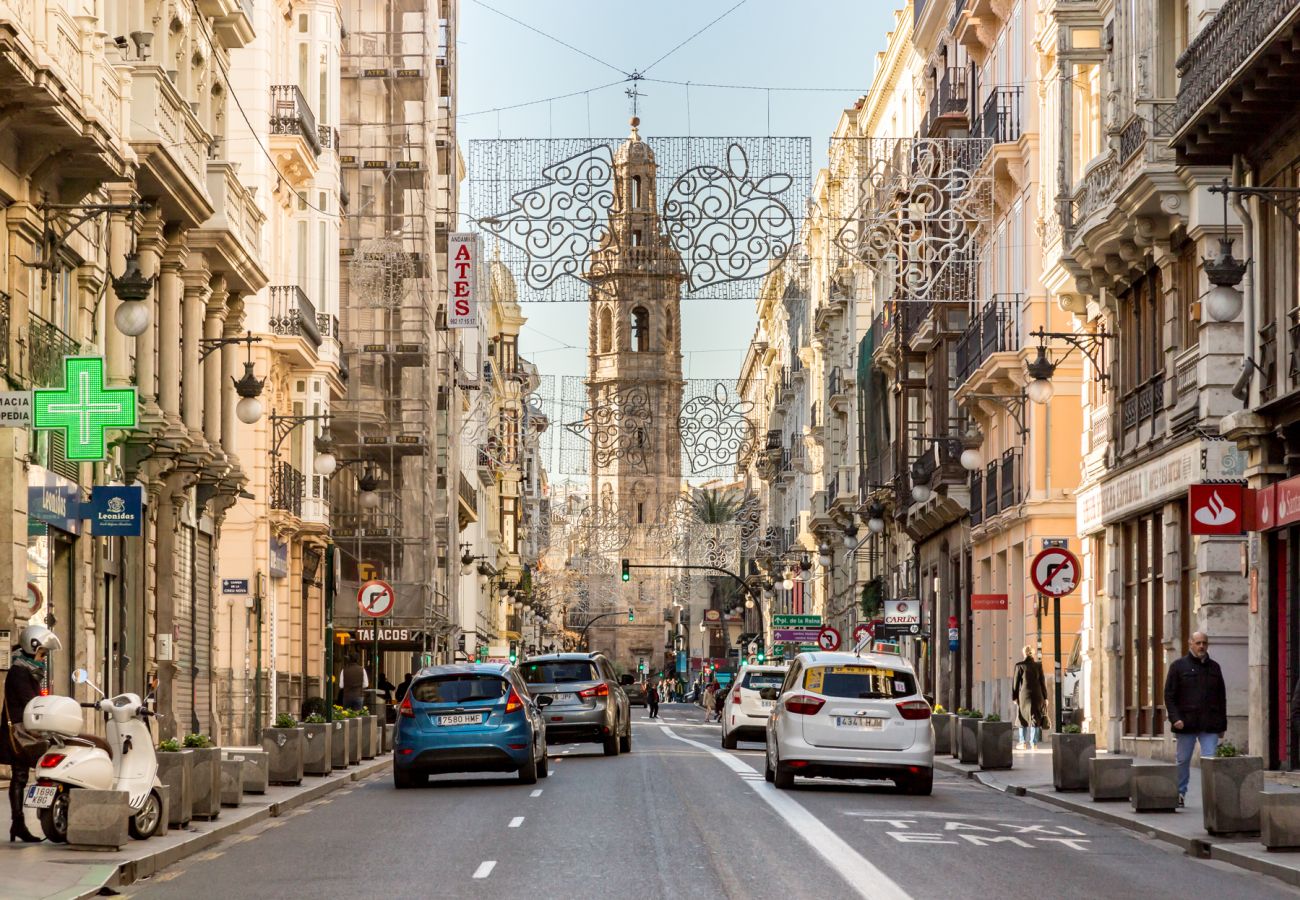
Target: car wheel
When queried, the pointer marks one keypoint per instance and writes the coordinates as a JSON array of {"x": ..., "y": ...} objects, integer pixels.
[
  {"x": 783, "y": 778},
  {"x": 728, "y": 742},
  {"x": 767, "y": 768},
  {"x": 625, "y": 742},
  {"x": 611, "y": 743},
  {"x": 528, "y": 771},
  {"x": 544, "y": 765},
  {"x": 919, "y": 785},
  {"x": 404, "y": 779}
]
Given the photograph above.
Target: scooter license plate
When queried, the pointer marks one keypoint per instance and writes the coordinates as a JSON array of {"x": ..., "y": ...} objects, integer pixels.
[{"x": 39, "y": 796}]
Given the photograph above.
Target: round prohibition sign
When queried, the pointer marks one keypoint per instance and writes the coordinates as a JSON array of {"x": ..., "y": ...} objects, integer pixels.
[
  {"x": 376, "y": 598},
  {"x": 1055, "y": 572},
  {"x": 863, "y": 631},
  {"x": 828, "y": 638}
]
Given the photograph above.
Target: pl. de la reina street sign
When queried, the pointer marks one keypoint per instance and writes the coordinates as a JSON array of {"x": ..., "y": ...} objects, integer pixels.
[{"x": 84, "y": 408}]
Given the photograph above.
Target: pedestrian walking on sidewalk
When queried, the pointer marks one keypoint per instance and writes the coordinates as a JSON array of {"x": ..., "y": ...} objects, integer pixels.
[
  {"x": 1196, "y": 703},
  {"x": 1030, "y": 691},
  {"x": 710, "y": 693},
  {"x": 652, "y": 699},
  {"x": 403, "y": 687},
  {"x": 17, "y": 749},
  {"x": 353, "y": 682}
]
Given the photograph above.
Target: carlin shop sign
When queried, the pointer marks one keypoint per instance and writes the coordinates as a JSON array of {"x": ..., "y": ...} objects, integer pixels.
[{"x": 463, "y": 251}]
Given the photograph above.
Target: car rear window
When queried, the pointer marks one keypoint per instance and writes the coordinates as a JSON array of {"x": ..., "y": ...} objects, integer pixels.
[
  {"x": 457, "y": 688},
  {"x": 859, "y": 682},
  {"x": 756, "y": 681},
  {"x": 559, "y": 672}
]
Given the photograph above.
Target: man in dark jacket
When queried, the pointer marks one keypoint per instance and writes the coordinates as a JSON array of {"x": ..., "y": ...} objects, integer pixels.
[
  {"x": 1030, "y": 691},
  {"x": 27, "y": 672},
  {"x": 1196, "y": 703}
]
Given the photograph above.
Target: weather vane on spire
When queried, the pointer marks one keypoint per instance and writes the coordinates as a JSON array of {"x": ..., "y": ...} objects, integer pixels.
[{"x": 633, "y": 93}]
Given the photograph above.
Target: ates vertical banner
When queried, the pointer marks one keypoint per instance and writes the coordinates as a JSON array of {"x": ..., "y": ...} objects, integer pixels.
[{"x": 463, "y": 251}]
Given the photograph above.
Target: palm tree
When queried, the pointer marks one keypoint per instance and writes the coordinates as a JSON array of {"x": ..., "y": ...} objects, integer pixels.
[{"x": 716, "y": 506}]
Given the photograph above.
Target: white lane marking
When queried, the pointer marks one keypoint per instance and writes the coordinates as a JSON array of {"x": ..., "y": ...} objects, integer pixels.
[
  {"x": 863, "y": 877},
  {"x": 536, "y": 793},
  {"x": 516, "y": 822},
  {"x": 485, "y": 868}
]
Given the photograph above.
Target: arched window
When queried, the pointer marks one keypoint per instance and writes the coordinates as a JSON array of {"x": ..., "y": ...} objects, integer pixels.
[
  {"x": 636, "y": 191},
  {"x": 606, "y": 330},
  {"x": 640, "y": 329}
]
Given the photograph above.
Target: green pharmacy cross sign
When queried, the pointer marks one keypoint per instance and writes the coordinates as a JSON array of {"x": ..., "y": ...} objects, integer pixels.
[{"x": 84, "y": 409}]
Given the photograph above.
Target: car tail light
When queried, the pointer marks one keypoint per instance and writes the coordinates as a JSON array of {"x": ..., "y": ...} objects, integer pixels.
[
  {"x": 600, "y": 690},
  {"x": 735, "y": 697},
  {"x": 513, "y": 703},
  {"x": 803, "y": 705},
  {"x": 406, "y": 709},
  {"x": 50, "y": 760},
  {"x": 914, "y": 709}
]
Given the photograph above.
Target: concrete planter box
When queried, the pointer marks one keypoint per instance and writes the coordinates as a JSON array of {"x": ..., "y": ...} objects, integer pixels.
[
  {"x": 1279, "y": 820},
  {"x": 354, "y": 741},
  {"x": 284, "y": 748},
  {"x": 942, "y": 725},
  {"x": 232, "y": 782},
  {"x": 1153, "y": 787},
  {"x": 255, "y": 767},
  {"x": 1230, "y": 793},
  {"x": 367, "y": 736},
  {"x": 98, "y": 818},
  {"x": 953, "y": 747},
  {"x": 176, "y": 770},
  {"x": 995, "y": 742},
  {"x": 968, "y": 740},
  {"x": 1110, "y": 777},
  {"x": 1071, "y": 754},
  {"x": 317, "y": 753},
  {"x": 339, "y": 744},
  {"x": 388, "y": 737},
  {"x": 205, "y": 800}
]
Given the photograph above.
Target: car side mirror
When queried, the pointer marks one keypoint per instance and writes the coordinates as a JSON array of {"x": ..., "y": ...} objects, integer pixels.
[
  {"x": 769, "y": 693},
  {"x": 625, "y": 680},
  {"x": 544, "y": 700}
]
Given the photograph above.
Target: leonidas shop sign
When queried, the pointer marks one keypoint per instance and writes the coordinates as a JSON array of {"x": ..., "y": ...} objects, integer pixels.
[{"x": 1158, "y": 481}]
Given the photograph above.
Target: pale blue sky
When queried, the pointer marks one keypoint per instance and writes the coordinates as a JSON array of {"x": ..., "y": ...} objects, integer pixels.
[{"x": 763, "y": 43}]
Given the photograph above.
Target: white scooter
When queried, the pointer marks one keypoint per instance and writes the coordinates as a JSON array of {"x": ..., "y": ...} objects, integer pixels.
[{"x": 77, "y": 761}]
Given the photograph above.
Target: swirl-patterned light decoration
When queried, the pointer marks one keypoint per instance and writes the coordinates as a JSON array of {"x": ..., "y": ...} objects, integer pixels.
[
  {"x": 715, "y": 431},
  {"x": 620, "y": 427}
]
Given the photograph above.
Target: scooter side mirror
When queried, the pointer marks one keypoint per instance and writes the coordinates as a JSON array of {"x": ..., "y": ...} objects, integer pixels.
[{"x": 80, "y": 676}]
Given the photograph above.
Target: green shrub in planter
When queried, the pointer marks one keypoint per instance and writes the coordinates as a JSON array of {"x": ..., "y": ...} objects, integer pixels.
[
  {"x": 1071, "y": 729},
  {"x": 315, "y": 719},
  {"x": 198, "y": 741},
  {"x": 992, "y": 717},
  {"x": 284, "y": 720},
  {"x": 1226, "y": 750},
  {"x": 171, "y": 745}
]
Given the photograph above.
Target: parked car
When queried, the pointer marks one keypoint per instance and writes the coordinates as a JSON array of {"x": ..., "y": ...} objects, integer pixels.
[
  {"x": 469, "y": 717},
  {"x": 587, "y": 703},
  {"x": 745, "y": 712},
  {"x": 845, "y": 715}
]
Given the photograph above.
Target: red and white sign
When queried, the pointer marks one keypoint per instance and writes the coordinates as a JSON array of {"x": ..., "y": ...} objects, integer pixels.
[
  {"x": 1055, "y": 572},
  {"x": 463, "y": 252},
  {"x": 986, "y": 602},
  {"x": 1217, "y": 508},
  {"x": 1265, "y": 509},
  {"x": 902, "y": 612},
  {"x": 1287, "y": 500},
  {"x": 376, "y": 598},
  {"x": 863, "y": 631},
  {"x": 828, "y": 638}
]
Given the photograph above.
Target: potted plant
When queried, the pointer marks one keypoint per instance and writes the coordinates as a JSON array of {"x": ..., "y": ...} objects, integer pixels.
[
  {"x": 283, "y": 743},
  {"x": 968, "y": 739},
  {"x": 368, "y": 732},
  {"x": 205, "y": 783},
  {"x": 995, "y": 741},
  {"x": 1072, "y": 752},
  {"x": 1230, "y": 787},
  {"x": 176, "y": 770},
  {"x": 941, "y": 722},
  {"x": 318, "y": 751},
  {"x": 351, "y": 733},
  {"x": 339, "y": 740}
]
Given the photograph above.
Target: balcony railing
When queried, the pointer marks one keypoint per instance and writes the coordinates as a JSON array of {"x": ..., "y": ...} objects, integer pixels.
[
  {"x": 1131, "y": 138},
  {"x": 1010, "y": 479},
  {"x": 995, "y": 329},
  {"x": 1095, "y": 190},
  {"x": 292, "y": 314},
  {"x": 976, "y": 498},
  {"x": 949, "y": 96},
  {"x": 991, "y": 490},
  {"x": 835, "y": 383},
  {"x": 290, "y": 115},
  {"x": 1143, "y": 402},
  {"x": 775, "y": 440},
  {"x": 1000, "y": 119},
  {"x": 287, "y": 487},
  {"x": 327, "y": 325},
  {"x": 328, "y": 136},
  {"x": 47, "y": 344}
]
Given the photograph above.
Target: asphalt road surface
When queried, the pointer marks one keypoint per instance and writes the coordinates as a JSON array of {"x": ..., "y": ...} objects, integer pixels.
[{"x": 680, "y": 817}]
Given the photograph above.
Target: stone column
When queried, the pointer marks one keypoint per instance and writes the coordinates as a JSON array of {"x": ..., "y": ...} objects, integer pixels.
[
  {"x": 117, "y": 346},
  {"x": 197, "y": 292},
  {"x": 151, "y": 246},
  {"x": 231, "y": 368},
  {"x": 170, "y": 290},
  {"x": 213, "y": 324}
]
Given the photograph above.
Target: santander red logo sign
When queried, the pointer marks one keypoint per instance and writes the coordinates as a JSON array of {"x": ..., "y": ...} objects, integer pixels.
[{"x": 1216, "y": 508}]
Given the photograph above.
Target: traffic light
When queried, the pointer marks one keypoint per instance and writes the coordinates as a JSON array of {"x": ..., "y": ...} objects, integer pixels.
[
  {"x": 514, "y": 652},
  {"x": 761, "y": 654},
  {"x": 631, "y": 616},
  {"x": 641, "y": 666},
  {"x": 627, "y": 574}
]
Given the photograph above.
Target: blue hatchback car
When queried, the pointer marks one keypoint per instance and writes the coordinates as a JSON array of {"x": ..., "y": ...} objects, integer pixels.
[{"x": 472, "y": 717}]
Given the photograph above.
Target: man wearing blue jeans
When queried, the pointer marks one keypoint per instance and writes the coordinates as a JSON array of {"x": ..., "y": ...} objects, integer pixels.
[{"x": 1197, "y": 706}]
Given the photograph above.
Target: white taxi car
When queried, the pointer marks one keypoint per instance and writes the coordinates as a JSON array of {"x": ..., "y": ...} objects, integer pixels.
[
  {"x": 746, "y": 712},
  {"x": 849, "y": 715}
]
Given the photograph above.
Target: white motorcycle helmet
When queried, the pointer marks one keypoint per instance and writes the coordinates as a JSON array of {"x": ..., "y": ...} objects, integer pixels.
[{"x": 38, "y": 637}]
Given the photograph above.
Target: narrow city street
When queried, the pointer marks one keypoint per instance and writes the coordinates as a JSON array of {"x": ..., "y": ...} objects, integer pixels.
[{"x": 679, "y": 817}]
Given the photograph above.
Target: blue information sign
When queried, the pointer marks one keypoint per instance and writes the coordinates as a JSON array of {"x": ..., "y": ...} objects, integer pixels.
[{"x": 116, "y": 510}]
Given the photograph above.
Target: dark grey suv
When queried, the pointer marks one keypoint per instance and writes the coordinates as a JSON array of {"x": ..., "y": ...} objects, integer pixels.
[{"x": 587, "y": 702}]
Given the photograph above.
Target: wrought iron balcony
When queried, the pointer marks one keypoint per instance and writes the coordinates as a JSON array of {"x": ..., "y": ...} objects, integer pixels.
[
  {"x": 1095, "y": 191},
  {"x": 775, "y": 440},
  {"x": 995, "y": 329},
  {"x": 1011, "y": 494},
  {"x": 327, "y": 325},
  {"x": 47, "y": 344},
  {"x": 1143, "y": 402},
  {"x": 991, "y": 490},
  {"x": 949, "y": 102},
  {"x": 976, "y": 498},
  {"x": 290, "y": 115},
  {"x": 287, "y": 488},
  {"x": 1000, "y": 118},
  {"x": 292, "y": 314}
]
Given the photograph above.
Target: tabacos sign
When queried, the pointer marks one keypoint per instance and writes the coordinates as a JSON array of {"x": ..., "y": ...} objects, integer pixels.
[{"x": 463, "y": 251}]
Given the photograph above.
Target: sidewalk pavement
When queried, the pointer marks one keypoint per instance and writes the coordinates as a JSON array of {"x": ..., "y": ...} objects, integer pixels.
[
  {"x": 1031, "y": 776},
  {"x": 48, "y": 871}
]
